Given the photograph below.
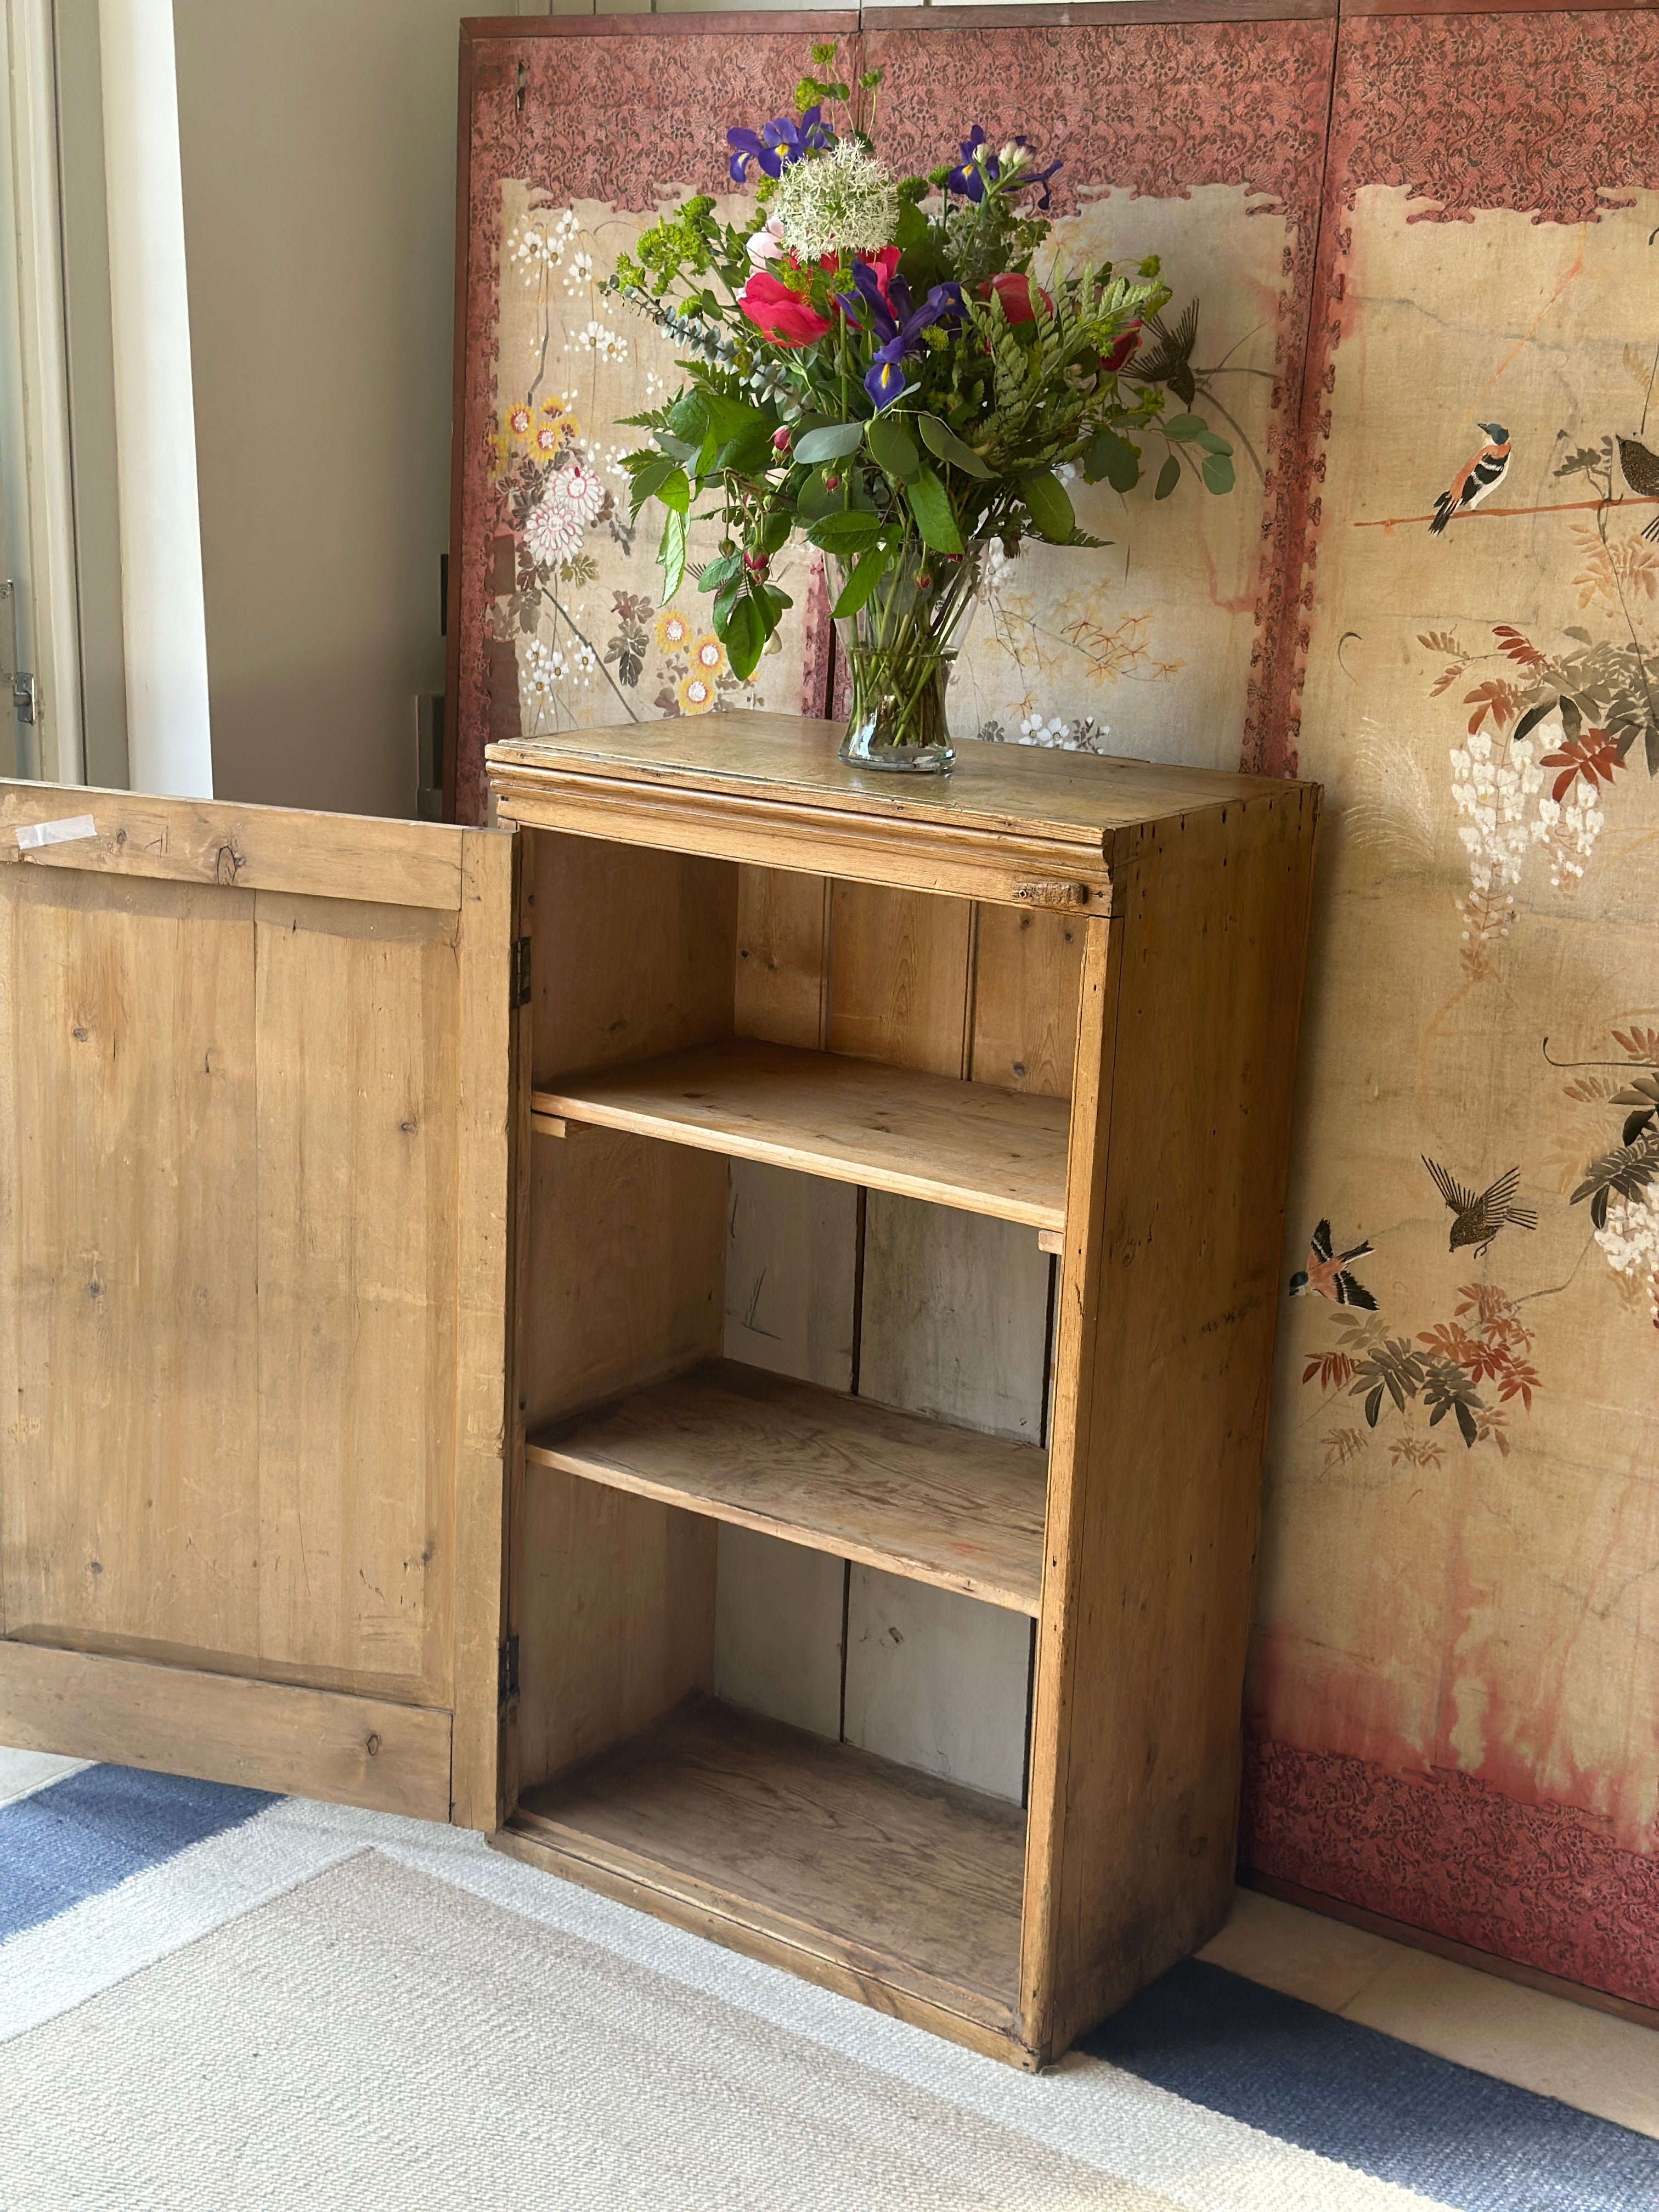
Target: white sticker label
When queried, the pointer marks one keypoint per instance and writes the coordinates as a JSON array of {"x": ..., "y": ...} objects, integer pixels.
[{"x": 64, "y": 831}]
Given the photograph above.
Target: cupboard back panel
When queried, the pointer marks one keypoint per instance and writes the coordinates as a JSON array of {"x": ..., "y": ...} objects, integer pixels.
[{"x": 230, "y": 1143}]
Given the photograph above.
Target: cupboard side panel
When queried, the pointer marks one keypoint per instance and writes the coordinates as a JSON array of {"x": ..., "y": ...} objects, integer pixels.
[
  {"x": 494, "y": 1107},
  {"x": 1171, "y": 1427},
  {"x": 129, "y": 1457},
  {"x": 358, "y": 1011}
]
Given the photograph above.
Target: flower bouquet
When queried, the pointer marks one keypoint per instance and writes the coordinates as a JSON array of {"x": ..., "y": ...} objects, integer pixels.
[{"x": 875, "y": 364}]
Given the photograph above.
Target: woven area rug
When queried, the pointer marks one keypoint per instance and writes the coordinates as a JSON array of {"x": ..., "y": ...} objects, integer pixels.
[{"x": 209, "y": 1998}]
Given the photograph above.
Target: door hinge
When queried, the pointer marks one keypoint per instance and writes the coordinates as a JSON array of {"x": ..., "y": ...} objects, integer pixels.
[
  {"x": 508, "y": 1670},
  {"x": 521, "y": 973}
]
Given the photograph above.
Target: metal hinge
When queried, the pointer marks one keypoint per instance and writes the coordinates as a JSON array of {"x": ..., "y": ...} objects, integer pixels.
[
  {"x": 507, "y": 1675},
  {"x": 521, "y": 973}
]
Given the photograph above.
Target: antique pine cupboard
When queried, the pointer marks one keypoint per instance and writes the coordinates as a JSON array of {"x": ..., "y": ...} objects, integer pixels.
[{"x": 364, "y": 1214}]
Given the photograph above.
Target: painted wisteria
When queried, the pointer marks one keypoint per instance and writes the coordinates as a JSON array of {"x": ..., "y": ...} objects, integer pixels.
[{"x": 872, "y": 365}]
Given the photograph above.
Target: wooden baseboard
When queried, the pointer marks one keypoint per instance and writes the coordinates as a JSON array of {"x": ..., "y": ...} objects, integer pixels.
[
  {"x": 1446, "y": 1947},
  {"x": 224, "y": 1727}
]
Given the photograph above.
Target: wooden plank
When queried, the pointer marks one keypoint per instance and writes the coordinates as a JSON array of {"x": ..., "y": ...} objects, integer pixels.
[
  {"x": 797, "y": 1957},
  {"x": 129, "y": 1461},
  {"x": 356, "y": 1198},
  {"x": 492, "y": 1108},
  {"x": 783, "y": 940},
  {"x": 306, "y": 1743},
  {"x": 938, "y": 1683},
  {"x": 1173, "y": 1347},
  {"x": 956, "y": 1317},
  {"x": 779, "y": 1612},
  {"x": 1028, "y": 967},
  {"x": 900, "y": 971},
  {"x": 957, "y": 1143},
  {"x": 907, "y": 1880},
  {"x": 631, "y": 953},
  {"x": 192, "y": 840},
  {"x": 941, "y": 1505},
  {"x": 615, "y": 1609},
  {"x": 791, "y": 1274}
]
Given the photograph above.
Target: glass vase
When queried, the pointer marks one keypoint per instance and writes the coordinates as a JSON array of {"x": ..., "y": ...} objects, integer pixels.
[{"x": 898, "y": 648}]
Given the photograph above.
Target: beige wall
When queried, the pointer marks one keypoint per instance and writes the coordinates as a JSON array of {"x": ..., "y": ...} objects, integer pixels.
[{"x": 318, "y": 140}]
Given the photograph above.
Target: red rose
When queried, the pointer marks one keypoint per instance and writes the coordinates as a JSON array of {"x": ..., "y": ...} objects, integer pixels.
[
  {"x": 1015, "y": 294},
  {"x": 783, "y": 315},
  {"x": 1123, "y": 349}
]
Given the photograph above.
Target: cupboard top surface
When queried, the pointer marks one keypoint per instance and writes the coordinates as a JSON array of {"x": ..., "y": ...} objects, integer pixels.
[{"x": 1077, "y": 800}]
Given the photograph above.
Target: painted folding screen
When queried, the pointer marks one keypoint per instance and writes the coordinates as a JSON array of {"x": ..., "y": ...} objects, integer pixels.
[
  {"x": 1455, "y": 1701},
  {"x": 1199, "y": 142},
  {"x": 1457, "y": 1677}
]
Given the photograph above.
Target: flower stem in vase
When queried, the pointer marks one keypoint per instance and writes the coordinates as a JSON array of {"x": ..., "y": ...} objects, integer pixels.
[{"x": 899, "y": 647}]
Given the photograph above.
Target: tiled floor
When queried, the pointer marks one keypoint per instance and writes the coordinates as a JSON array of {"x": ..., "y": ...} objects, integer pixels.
[{"x": 1586, "y": 2058}]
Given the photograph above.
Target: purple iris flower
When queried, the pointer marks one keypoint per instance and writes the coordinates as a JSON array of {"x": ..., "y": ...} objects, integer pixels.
[
  {"x": 785, "y": 140},
  {"x": 899, "y": 325},
  {"x": 970, "y": 176}
]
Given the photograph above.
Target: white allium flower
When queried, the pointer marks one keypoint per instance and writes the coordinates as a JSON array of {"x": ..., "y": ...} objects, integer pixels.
[{"x": 843, "y": 202}]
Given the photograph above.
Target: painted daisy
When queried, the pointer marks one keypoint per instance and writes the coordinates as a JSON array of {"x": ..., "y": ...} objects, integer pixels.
[
  {"x": 708, "y": 654},
  {"x": 695, "y": 694},
  {"x": 553, "y": 530},
  {"x": 672, "y": 629},
  {"x": 577, "y": 489}
]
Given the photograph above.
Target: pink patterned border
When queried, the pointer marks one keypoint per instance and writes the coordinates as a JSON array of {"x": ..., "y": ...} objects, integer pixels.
[{"x": 1540, "y": 1883}]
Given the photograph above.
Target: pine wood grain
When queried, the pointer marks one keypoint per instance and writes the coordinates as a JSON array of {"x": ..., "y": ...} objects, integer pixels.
[
  {"x": 908, "y": 1882},
  {"x": 942, "y": 1505},
  {"x": 900, "y": 977},
  {"x": 1027, "y": 970},
  {"x": 782, "y": 938},
  {"x": 220, "y": 1727},
  {"x": 957, "y": 1143}
]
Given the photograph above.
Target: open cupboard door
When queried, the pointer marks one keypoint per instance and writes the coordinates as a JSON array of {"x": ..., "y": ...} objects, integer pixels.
[{"x": 258, "y": 1133}]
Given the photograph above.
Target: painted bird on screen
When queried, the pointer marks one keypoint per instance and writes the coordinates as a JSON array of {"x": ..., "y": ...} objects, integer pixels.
[
  {"x": 1479, "y": 475},
  {"x": 1477, "y": 1221},
  {"x": 1641, "y": 470},
  {"x": 1326, "y": 1275}
]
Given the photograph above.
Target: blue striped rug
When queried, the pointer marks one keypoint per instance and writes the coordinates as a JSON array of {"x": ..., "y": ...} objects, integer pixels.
[{"x": 181, "y": 1962}]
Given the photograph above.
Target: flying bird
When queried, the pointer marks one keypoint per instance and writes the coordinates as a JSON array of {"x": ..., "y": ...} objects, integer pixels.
[
  {"x": 1475, "y": 479},
  {"x": 1477, "y": 1221},
  {"x": 1326, "y": 1275},
  {"x": 1641, "y": 470}
]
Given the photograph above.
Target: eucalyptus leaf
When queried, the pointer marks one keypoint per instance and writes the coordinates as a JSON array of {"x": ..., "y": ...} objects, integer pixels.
[
  {"x": 940, "y": 440},
  {"x": 833, "y": 444},
  {"x": 1115, "y": 458},
  {"x": 1168, "y": 477},
  {"x": 1217, "y": 471},
  {"x": 1184, "y": 426}
]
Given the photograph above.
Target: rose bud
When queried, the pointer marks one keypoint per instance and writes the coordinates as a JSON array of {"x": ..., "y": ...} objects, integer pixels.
[
  {"x": 781, "y": 440},
  {"x": 757, "y": 561},
  {"x": 1122, "y": 351}
]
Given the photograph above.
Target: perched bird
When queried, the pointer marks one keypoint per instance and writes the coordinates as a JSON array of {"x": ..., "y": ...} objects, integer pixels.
[
  {"x": 1475, "y": 479},
  {"x": 1642, "y": 474},
  {"x": 1326, "y": 1275},
  {"x": 1477, "y": 1221}
]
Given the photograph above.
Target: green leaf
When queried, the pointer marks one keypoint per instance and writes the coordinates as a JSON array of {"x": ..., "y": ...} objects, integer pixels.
[
  {"x": 1185, "y": 426},
  {"x": 675, "y": 491},
  {"x": 1217, "y": 471},
  {"x": 744, "y": 635},
  {"x": 747, "y": 454},
  {"x": 672, "y": 554},
  {"x": 688, "y": 417},
  {"x": 720, "y": 573},
  {"x": 833, "y": 444},
  {"x": 1115, "y": 458},
  {"x": 863, "y": 581},
  {"x": 1168, "y": 477},
  {"x": 893, "y": 447},
  {"x": 845, "y": 531},
  {"x": 774, "y": 531},
  {"x": 1049, "y": 507},
  {"x": 941, "y": 439},
  {"x": 647, "y": 482},
  {"x": 1211, "y": 444},
  {"x": 931, "y": 504}
]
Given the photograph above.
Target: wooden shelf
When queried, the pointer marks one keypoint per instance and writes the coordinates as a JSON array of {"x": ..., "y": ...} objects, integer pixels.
[
  {"x": 939, "y": 1505},
  {"x": 781, "y": 1843},
  {"x": 965, "y": 1144}
]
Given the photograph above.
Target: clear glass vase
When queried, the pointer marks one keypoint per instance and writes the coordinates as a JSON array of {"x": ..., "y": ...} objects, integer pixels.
[{"x": 898, "y": 651}]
